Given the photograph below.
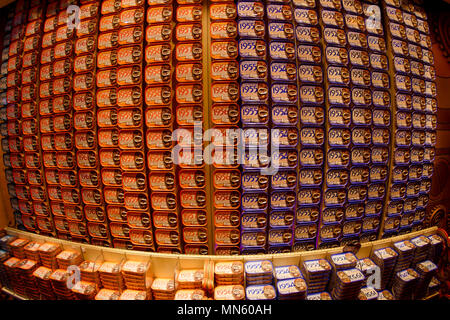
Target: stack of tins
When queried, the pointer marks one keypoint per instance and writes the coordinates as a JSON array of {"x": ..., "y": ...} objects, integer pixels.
[
  {"x": 415, "y": 118},
  {"x": 224, "y": 116},
  {"x": 159, "y": 123},
  {"x": 89, "y": 218},
  {"x": 188, "y": 103},
  {"x": 54, "y": 114},
  {"x": 345, "y": 108},
  {"x": 23, "y": 142},
  {"x": 251, "y": 50},
  {"x": 9, "y": 124}
]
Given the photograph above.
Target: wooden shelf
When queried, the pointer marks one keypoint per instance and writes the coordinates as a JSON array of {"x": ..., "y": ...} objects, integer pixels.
[
  {"x": 19, "y": 297},
  {"x": 13, "y": 294},
  {"x": 4, "y": 3},
  {"x": 164, "y": 265},
  {"x": 434, "y": 295}
]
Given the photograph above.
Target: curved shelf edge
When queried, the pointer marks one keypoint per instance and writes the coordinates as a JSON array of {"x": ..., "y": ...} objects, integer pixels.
[
  {"x": 13, "y": 294},
  {"x": 4, "y": 3},
  {"x": 64, "y": 243},
  {"x": 434, "y": 295},
  {"x": 163, "y": 265},
  {"x": 19, "y": 297}
]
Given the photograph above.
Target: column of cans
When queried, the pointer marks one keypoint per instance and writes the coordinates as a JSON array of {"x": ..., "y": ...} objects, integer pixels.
[
  {"x": 423, "y": 70},
  {"x": 159, "y": 120},
  {"x": 9, "y": 124},
  {"x": 402, "y": 119},
  {"x": 84, "y": 122},
  {"x": 225, "y": 119},
  {"x": 104, "y": 104},
  {"x": 337, "y": 195},
  {"x": 121, "y": 136},
  {"x": 423, "y": 121},
  {"x": 410, "y": 51},
  {"x": 309, "y": 118},
  {"x": 358, "y": 139},
  {"x": 376, "y": 119},
  {"x": 13, "y": 114},
  {"x": 29, "y": 109},
  {"x": 401, "y": 208},
  {"x": 284, "y": 136},
  {"x": 110, "y": 157},
  {"x": 361, "y": 80},
  {"x": 311, "y": 54},
  {"x": 255, "y": 116},
  {"x": 30, "y": 126},
  {"x": 189, "y": 92},
  {"x": 54, "y": 115}
]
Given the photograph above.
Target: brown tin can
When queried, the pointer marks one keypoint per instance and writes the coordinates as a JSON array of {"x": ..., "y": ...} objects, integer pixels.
[
  {"x": 91, "y": 196},
  {"x": 194, "y": 218},
  {"x": 195, "y": 235},
  {"x": 167, "y": 238},
  {"x": 136, "y": 201},
  {"x": 139, "y": 220},
  {"x": 87, "y": 159},
  {"x": 144, "y": 237},
  {"x": 116, "y": 213},
  {"x": 111, "y": 177},
  {"x": 129, "y": 118},
  {"x": 162, "y": 181},
  {"x": 165, "y": 220},
  {"x": 97, "y": 230},
  {"x": 133, "y": 161},
  {"x": 83, "y": 101},
  {"x": 74, "y": 213}
]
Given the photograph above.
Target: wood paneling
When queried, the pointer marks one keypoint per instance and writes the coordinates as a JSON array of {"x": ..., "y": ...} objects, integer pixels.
[
  {"x": 6, "y": 212},
  {"x": 440, "y": 190},
  {"x": 4, "y": 3}
]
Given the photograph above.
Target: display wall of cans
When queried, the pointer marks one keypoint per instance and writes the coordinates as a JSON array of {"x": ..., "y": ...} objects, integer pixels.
[{"x": 139, "y": 71}]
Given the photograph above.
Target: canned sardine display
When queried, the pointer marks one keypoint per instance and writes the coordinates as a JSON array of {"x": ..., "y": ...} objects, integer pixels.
[{"x": 233, "y": 127}]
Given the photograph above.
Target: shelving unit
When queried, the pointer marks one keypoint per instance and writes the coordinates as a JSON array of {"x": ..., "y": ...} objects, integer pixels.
[
  {"x": 434, "y": 295},
  {"x": 4, "y": 3},
  {"x": 19, "y": 297},
  {"x": 164, "y": 265},
  {"x": 13, "y": 294}
]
